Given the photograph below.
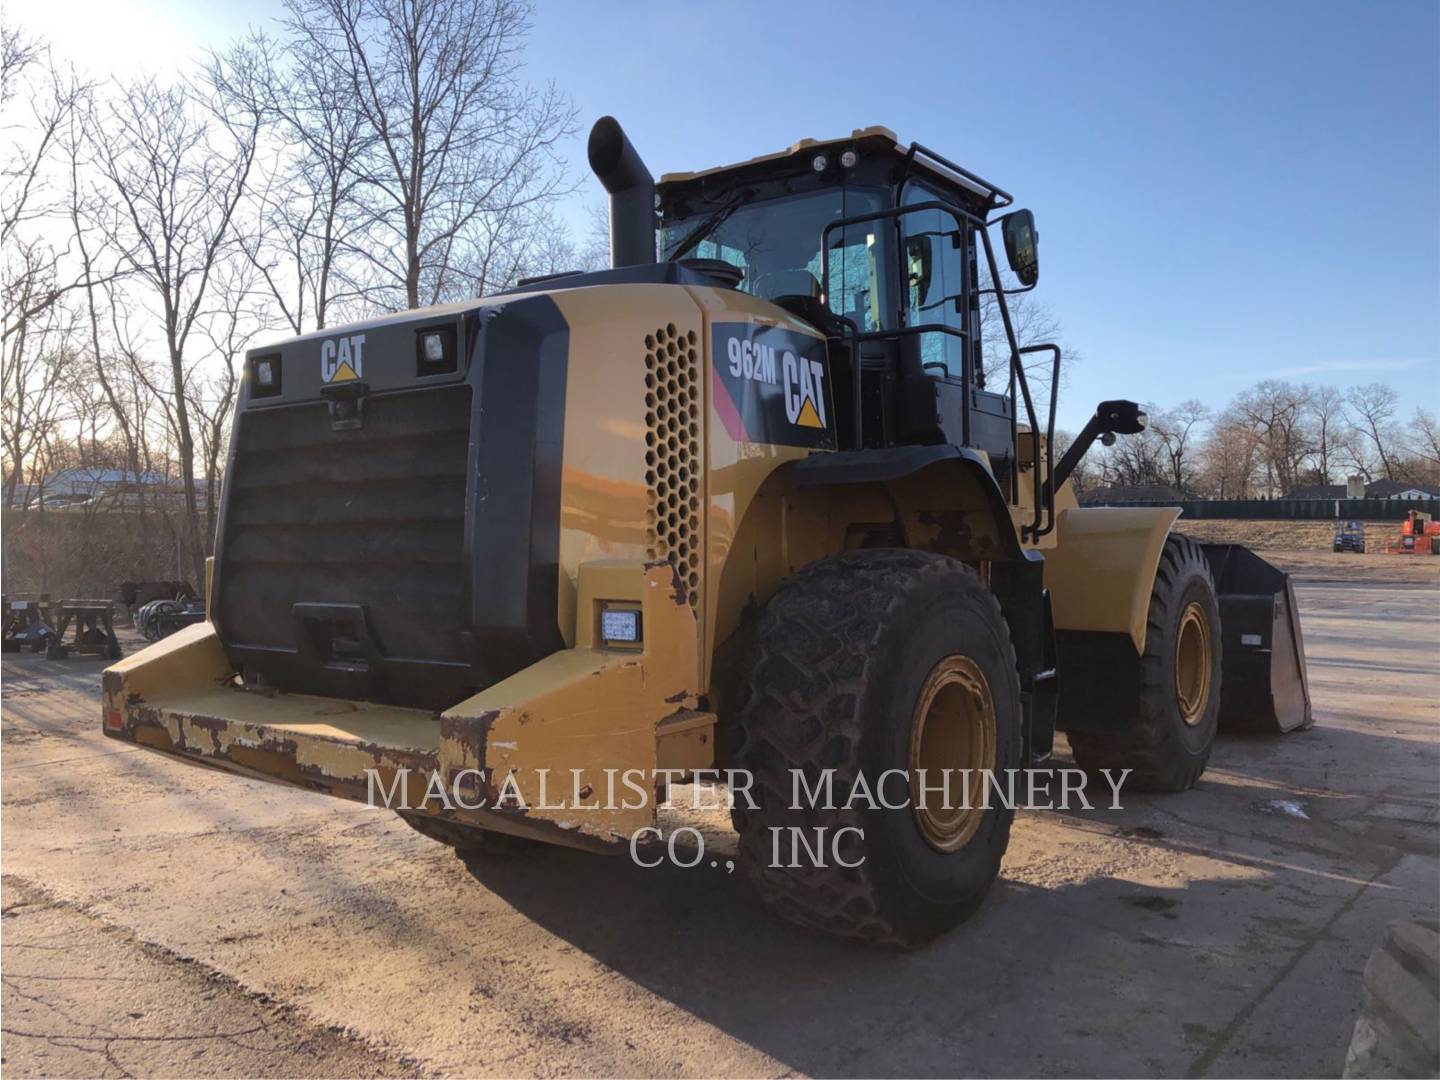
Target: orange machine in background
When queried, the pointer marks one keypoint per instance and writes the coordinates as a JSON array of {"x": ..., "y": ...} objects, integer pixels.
[{"x": 1418, "y": 536}]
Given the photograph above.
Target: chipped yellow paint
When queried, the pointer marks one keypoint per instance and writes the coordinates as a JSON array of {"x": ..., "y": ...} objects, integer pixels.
[
  {"x": 188, "y": 659},
  {"x": 586, "y": 709},
  {"x": 580, "y": 712}
]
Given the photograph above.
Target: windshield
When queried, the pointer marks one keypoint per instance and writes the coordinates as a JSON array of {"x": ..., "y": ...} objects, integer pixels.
[{"x": 776, "y": 242}]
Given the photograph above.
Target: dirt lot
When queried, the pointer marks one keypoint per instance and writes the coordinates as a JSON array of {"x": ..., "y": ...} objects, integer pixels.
[
  {"x": 1306, "y": 548},
  {"x": 164, "y": 920}
]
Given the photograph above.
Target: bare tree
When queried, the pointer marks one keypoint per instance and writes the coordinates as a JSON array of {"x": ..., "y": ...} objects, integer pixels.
[
  {"x": 1034, "y": 323},
  {"x": 1425, "y": 435},
  {"x": 1354, "y": 453},
  {"x": 36, "y": 102},
  {"x": 86, "y": 209},
  {"x": 177, "y": 165},
  {"x": 1276, "y": 411},
  {"x": 593, "y": 252},
  {"x": 1420, "y": 462},
  {"x": 456, "y": 144},
  {"x": 1140, "y": 459},
  {"x": 37, "y": 364},
  {"x": 230, "y": 330},
  {"x": 1091, "y": 471},
  {"x": 1325, "y": 412},
  {"x": 36, "y": 106},
  {"x": 1229, "y": 456},
  {"x": 1373, "y": 406},
  {"x": 17, "y": 52},
  {"x": 1175, "y": 428},
  {"x": 305, "y": 216}
]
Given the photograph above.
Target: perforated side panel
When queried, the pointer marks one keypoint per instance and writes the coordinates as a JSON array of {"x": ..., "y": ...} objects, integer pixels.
[{"x": 674, "y": 400}]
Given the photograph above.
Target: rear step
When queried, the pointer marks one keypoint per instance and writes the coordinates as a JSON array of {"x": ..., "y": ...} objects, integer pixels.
[{"x": 1264, "y": 687}]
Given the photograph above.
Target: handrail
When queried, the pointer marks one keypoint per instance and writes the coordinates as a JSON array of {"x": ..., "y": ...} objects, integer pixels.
[
  {"x": 1000, "y": 198},
  {"x": 1017, "y": 375},
  {"x": 1044, "y": 519},
  {"x": 1048, "y": 488},
  {"x": 960, "y": 216}
]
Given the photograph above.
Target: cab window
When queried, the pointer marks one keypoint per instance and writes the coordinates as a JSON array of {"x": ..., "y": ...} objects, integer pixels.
[
  {"x": 934, "y": 267},
  {"x": 776, "y": 242}
]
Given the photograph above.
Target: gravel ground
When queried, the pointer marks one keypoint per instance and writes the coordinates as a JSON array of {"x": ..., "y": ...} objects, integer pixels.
[{"x": 262, "y": 931}]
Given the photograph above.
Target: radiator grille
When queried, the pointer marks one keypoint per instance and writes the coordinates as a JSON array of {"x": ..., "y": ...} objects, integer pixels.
[
  {"x": 674, "y": 398},
  {"x": 374, "y": 516}
]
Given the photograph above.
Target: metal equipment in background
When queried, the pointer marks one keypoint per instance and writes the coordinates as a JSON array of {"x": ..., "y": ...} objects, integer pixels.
[
  {"x": 93, "y": 621},
  {"x": 27, "y": 624},
  {"x": 1418, "y": 536},
  {"x": 161, "y": 618}
]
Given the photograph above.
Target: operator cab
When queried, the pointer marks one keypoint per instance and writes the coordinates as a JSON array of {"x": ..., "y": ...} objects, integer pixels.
[{"x": 884, "y": 248}]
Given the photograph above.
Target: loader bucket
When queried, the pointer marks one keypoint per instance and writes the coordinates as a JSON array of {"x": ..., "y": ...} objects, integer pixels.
[{"x": 1263, "y": 683}]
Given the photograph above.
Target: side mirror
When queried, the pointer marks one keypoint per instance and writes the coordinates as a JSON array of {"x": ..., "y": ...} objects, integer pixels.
[{"x": 1022, "y": 246}]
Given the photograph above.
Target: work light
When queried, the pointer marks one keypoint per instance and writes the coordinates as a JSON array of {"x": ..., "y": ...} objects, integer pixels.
[
  {"x": 435, "y": 350},
  {"x": 265, "y": 375},
  {"x": 819, "y": 163},
  {"x": 620, "y": 626}
]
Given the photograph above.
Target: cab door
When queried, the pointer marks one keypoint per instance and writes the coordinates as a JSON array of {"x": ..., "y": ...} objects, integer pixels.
[{"x": 936, "y": 293}]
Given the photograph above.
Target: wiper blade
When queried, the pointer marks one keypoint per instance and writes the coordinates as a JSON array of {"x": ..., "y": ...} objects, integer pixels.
[{"x": 714, "y": 221}]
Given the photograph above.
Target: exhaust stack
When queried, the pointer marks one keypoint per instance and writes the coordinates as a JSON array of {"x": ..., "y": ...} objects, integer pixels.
[{"x": 632, "y": 194}]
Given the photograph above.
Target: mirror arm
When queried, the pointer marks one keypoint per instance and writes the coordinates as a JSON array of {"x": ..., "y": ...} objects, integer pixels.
[
  {"x": 1110, "y": 418},
  {"x": 1007, "y": 292}
]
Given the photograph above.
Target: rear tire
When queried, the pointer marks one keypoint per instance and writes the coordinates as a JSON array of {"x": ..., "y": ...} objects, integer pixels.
[
  {"x": 468, "y": 841},
  {"x": 1168, "y": 744},
  {"x": 866, "y": 662}
]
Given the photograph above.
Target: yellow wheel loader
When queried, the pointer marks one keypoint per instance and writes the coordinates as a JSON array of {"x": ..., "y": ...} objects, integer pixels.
[{"x": 749, "y": 500}]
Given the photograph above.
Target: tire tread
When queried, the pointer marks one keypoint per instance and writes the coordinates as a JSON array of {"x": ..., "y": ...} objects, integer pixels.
[
  {"x": 1149, "y": 747},
  {"x": 798, "y": 710}
]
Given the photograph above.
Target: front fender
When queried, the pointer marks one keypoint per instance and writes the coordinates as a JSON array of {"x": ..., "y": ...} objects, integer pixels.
[{"x": 1102, "y": 568}]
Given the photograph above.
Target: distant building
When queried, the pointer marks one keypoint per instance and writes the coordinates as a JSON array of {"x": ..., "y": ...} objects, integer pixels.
[
  {"x": 1376, "y": 489},
  {"x": 1413, "y": 491},
  {"x": 111, "y": 488}
]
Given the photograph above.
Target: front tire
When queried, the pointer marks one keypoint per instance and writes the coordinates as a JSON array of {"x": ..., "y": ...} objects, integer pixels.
[
  {"x": 1167, "y": 746},
  {"x": 872, "y": 661}
]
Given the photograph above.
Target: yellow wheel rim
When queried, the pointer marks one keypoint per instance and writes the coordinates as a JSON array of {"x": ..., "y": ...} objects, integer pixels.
[
  {"x": 1192, "y": 664},
  {"x": 953, "y": 728}
]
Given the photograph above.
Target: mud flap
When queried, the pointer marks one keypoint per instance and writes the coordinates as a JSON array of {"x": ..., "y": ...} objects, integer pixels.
[{"x": 1264, "y": 687}]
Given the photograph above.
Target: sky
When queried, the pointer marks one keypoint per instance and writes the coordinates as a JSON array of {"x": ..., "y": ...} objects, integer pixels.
[{"x": 1225, "y": 192}]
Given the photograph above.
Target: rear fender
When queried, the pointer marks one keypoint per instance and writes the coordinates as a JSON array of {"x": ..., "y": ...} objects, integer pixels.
[{"x": 945, "y": 497}]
